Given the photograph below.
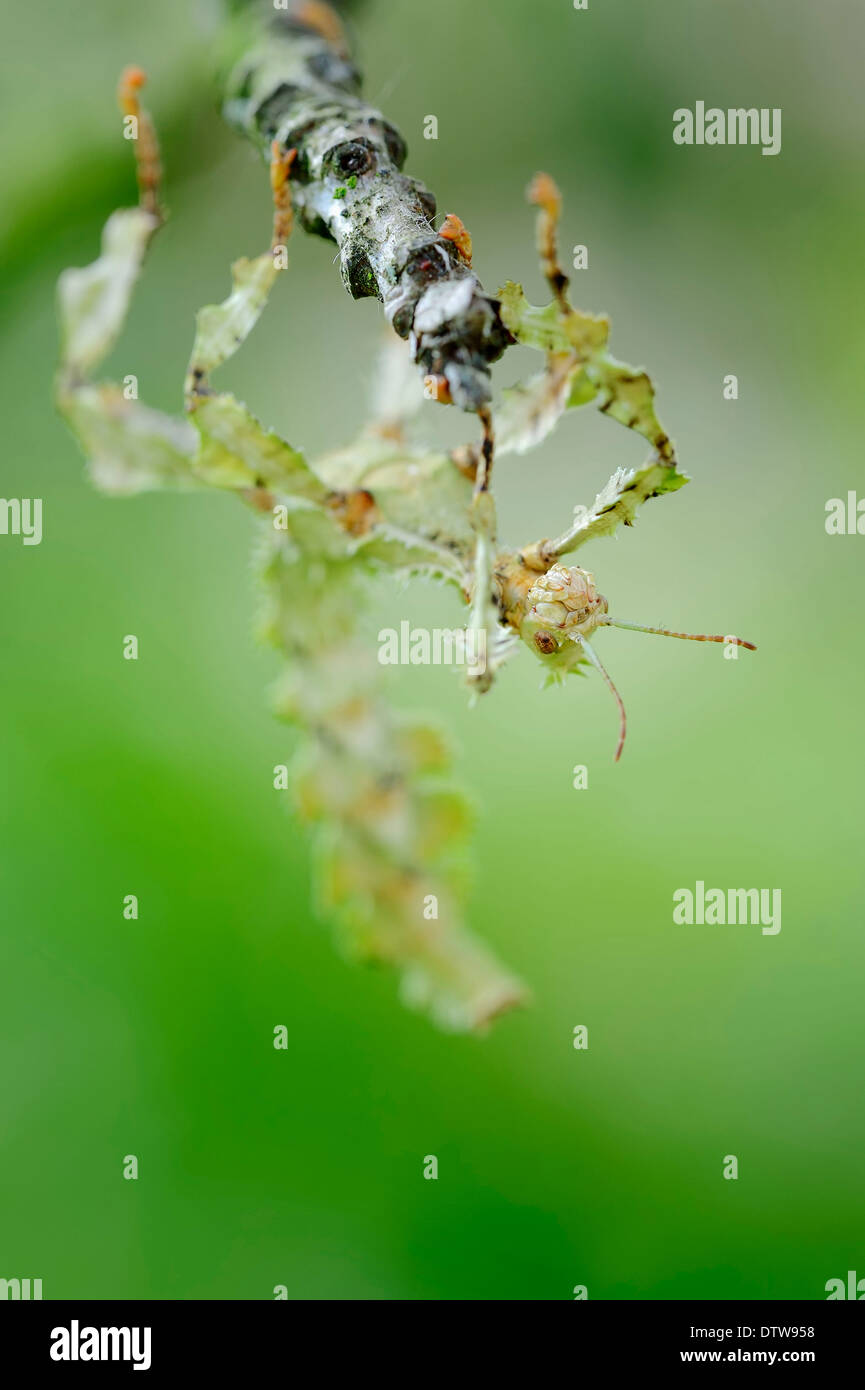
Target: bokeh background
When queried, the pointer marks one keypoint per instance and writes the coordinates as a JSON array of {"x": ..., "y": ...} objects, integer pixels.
[{"x": 557, "y": 1167}]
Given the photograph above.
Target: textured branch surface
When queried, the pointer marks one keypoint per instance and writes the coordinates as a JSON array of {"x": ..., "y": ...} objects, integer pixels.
[{"x": 297, "y": 86}]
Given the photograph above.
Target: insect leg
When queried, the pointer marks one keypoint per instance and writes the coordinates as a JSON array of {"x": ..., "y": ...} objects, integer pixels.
[
  {"x": 599, "y": 666},
  {"x": 685, "y": 636}
]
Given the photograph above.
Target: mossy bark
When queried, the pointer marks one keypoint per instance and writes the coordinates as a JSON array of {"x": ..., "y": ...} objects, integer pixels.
[{"x": 299, "y": 88}]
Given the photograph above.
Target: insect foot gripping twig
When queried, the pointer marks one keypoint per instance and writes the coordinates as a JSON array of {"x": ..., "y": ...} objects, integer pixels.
[
  {"x": 283, "y": 208},
  {"x": 454, "y": 229},
  {"x": 296, "y": 85}
]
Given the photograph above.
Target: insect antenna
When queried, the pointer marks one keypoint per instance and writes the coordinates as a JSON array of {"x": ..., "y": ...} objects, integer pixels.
[
  {"x": 685, "y": 636},
  {"x": 600, "y": 667}
]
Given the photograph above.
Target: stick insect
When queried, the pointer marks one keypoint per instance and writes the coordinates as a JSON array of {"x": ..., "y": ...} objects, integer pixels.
[{"x": 374, "y": 781}]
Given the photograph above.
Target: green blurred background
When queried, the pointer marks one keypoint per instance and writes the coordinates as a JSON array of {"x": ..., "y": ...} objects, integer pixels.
[{"x": 557, "y": 1167}]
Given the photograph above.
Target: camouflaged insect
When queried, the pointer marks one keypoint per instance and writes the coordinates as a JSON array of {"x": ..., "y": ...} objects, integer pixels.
[{"x": 373, "y": 782}]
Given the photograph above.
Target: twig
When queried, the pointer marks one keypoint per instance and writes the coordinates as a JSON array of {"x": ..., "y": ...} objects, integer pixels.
[{"x": 297, "y": 87}]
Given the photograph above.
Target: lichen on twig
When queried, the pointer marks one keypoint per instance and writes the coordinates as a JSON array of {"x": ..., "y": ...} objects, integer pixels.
[{"x": 296, "y": 87}]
